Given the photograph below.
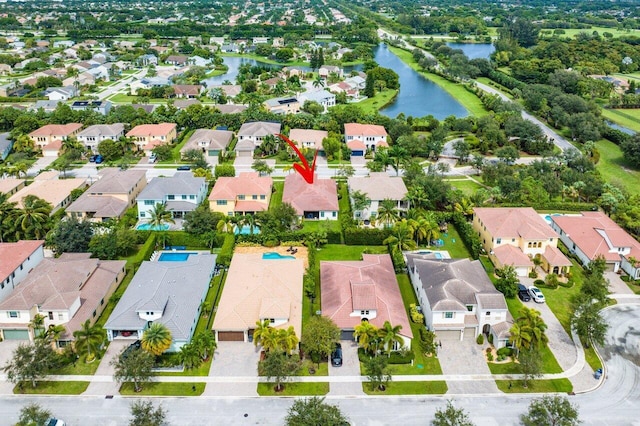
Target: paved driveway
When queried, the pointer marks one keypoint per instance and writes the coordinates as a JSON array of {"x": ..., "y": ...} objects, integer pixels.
[
  {"x": 105, "y": 368},
  {"x": 616, "y": 285},
  {"x": 234, "y": 359},
  {"x": 350, "y": 367},
  {"x": 41, "y": 163},
  {"x": 465, "y": 358},
  {"x": 6, "y": 353}
]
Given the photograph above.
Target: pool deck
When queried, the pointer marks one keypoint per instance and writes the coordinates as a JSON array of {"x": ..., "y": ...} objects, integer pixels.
[
  {"x": 172, "y": 226},
  {"x": 155, "y": 257},
  {"x": 302, "y": 252}
]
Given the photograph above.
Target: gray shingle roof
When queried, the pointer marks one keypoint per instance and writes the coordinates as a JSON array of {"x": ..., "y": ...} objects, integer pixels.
[
  {"x": 259, "y": 128},
  {"x": 176, "y": 287},
  {"x": 115, "y": 129},
  {"x": 182, "y": 183}
]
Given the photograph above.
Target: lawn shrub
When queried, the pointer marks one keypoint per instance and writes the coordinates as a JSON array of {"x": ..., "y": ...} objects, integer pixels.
[
  {"x": 490, "y": 339},
  {"x": 365, "y": 236},
  {"x": 226, "y": 250},
  {"x": 505, "y": 352},
  {"x": 181, "y": 238},
  {"x": 334, "y": 237},
  {"x": 539, "y": 283},
  {"x": 480, "y": 339},
  {"x": 400, "y": 357},
  {"x": 555, "y": 205}
]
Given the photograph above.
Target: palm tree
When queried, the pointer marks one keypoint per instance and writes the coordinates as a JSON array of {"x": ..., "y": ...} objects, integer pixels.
[
  {"x": 464, "y": 206},
  {"x": 360, "y": 202},
  {"x": 427, "y": 229},
  {"x": 318, "y": 82},
  {"x": 400, "y": 238},
  {"x": 251, "y": 222},
  {"x": 33, "y": 219},
  {"x": 262, "y": 328},
  {"x": 189, "y": 356},
  {"x": 365, "y": 333},
  {"x": 157, "y": 218},
  {"x": 387, "y": 212},
  {"x": 127, "y": 144},
  {"x": 532, "y": 324},
  {"x": 225, "y": 225},
  {"x": 54, "y": 332},
  {"x": 390, "y": 335},
  {"x": 287, "y": 339},
  {"x": 204, "y": 308},
  {"x": 88, "y": 340},
  {"x": 418, "y": 197},
  {"x": 71, "y": 144},
  {"x": 37, "y": 323},
  {"x": 205, "y": 343},
  {"x": 397, "y": 156},
  {"x": 270, "y": 340},
  {"x": 279, "y": 88},
  {"x": 156, "y": 339}
]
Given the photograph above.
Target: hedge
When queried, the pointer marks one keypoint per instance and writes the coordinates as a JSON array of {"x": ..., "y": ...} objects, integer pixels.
[
  {"x": 614, "y": 135},
  {"x": 334, "y": 237},
  {"x": 145, "y": 251},
  {"x": 557, "y": 205},
  {"x": 365, "y": 236},
  {"x": 182, "y": 238},
  {"x": 396, "y": 357},
  {"x": 226, "y": 250}
]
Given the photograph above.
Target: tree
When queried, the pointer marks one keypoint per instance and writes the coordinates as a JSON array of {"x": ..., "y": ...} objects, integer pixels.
[
  {"x": 376, "y": 370},
  {"x": 551, "y": 411},
  {"x": 109, "y": 150},
  {"x": 8, "y": 212},
  {"x": 530, "y": 364},
  {"x": 144, "y": 414},
  {"x": 30, "y": 362},
  {"x": 451, "y": 416},
  {"x": 401, "y": 238},
  {"x": 312, "y": 107},
  {"x": 32, "y": 221},
  {"x": 33, "y": 415},
  {"x": 507, "y": 282},
  {"x": 313, "y": 412},
  {"x": 278, "y": 366},
  {"x": 156, "y": 339},
  {"x": 462, "y": 150},
  {"x": 88, "y": 340},
  {"x": 205, "y": 343},
  {"x": 189, "y": 356},
  {"x": 388, "y": 212},
  {"x": 224, "y": 170},
  {"x": 226, "y": 225},
  {"x": 528, "y": 330},
  {"x": 134, "y": 367},
  {"x": 508, "y": 154},
  {"x": 37, "y": 324},
  {"x": 71, "y": 236},
  {"x": 390, "y": 335},
  {"x": 319, "y": 337},
  {"x": 261, "y": 167},
  {"x": 262, "y": 329},
  {"x": 158, "y": 216},
  {"x": 366, "y": 334},
  {"x": 201, "y": 220},
  {"x": 589, "y": 324}
]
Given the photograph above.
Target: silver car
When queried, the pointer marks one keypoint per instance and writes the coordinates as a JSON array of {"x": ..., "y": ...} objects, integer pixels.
[{"x": 536, "y": 294}]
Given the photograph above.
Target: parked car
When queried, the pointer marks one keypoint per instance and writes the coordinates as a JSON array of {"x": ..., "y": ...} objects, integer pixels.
[
  {"x": 54, "y": 422},
  {"x": 336, "y": 356},
  {"x": 152, "y": 158},
  {"x": 184, "y": 167},
  {"x": 92, "y": 159},
  {"x": 99, "y": 159},
  {"x": 523, "y": 293},
  {"x": 536, "y": 294},
  {"x": 132, "y": 347}
]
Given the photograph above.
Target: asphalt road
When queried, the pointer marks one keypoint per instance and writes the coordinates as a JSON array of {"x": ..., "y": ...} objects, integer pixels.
[{"x": 613, "y": 403}]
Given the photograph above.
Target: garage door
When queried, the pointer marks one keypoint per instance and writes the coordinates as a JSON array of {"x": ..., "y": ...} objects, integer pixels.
[
  {"x": 346, "y": 335},
  {"x": 244, "y": 154},
  {"x": 357, "y": 153},
  {"x": 213, "y": 152},
  {"x": 448, "y": 335},
  {"x": 230, "y": 336},
  {"x": 469, "y": 334},
  {"x": 16, "y": 334}
]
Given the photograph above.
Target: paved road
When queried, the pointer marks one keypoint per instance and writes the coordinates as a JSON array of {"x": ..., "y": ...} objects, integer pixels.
[{"x": 121, "y": 85}]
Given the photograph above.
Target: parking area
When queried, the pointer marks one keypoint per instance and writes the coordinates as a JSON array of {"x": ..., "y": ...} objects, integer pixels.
[
  {"x": 465, "y": 357},
  {"x": 234, "y": 360},
  {"x": 350, "y": 367}
]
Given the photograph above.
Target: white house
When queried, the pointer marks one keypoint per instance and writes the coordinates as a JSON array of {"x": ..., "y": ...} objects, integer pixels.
[
  {"x": 371, "y": 135},
  {"x": 17, "y": 260},
  {"x": 181, "y": 193},
  {"x": 323, "y": 97},
  {"x": 378, "y": 187},
  {"x": 93, "y": 135}
]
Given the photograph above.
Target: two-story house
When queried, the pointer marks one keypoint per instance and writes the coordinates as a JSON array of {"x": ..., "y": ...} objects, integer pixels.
[
  {"x": 66, "y": 291},
  {"x": 148, "y": 136},
  {"x": 309, "y": 138},
  {"x": 17, "y": 260},
  {"x": 109, "y": 198},
  {"x": 101, "y": 107},
  {"x": 178, "y": 60},
  {"x": 318, "y": 200},
  {"x": 378, "y": 187},
  {"x": 251, "y": 135},
  {"x": 181, "y": 193},
  {"x": 50, "y": 188},
  {"x": 49, "y": 138},
  {"x": 210, "y": 142},
  {"x": 514, "y": 236},
  {"x": 372, "y": 136},
  {"x": 284, "y": 105},
  {"x": 326, "y": 70},
  {"x": 6, "y": 145},
  {"x": 323, "y": 97},
  {"x": 246, "y": 193},
  {"x": 93, "y": 135},
  {"x": 458, "y": 300}
]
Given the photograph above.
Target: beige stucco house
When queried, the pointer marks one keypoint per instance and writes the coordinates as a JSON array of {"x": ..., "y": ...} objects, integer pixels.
[{"x": 246, "y": 193}]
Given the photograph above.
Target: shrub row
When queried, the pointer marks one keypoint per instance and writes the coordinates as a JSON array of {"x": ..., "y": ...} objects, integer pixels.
[
  {"x": 467, "y": 234},
  {"x": 181, "y": 238},
  {"x": 227, "y": 243},
  {"x": 556, "y": 205},
  {"x": 396, "y": 357},
  {"x": 365, "y": 236}
]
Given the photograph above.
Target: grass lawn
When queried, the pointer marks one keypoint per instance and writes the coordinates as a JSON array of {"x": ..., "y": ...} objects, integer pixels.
[
  {"x": 318, "y": 225},
  {"x": 379, "y": 101},
  {"x": 629, "y": 118},
  {"x": 571, "y": 32},
  {"x": 164, "y": 389},
  {"x": 468, "y": 100},
  {"x": 454, "y": 244},
  {"x": 559, "y": 300},
  {"x": 614, "y": 169},
  {"x": 344, "y": 252},
  {"x": 203, "y": 370},
  {"x": 54, "y": 388},
  {"x": 276, "y": 197},
  {"x": 467, "y": 186},
  {"x": 535, "y": 386},
  {"x": 175, "y": 150},
  {"x": 322, "y": 370},
  {"x": 122, "y": 98},
  {"x": 81, "y": 368},
  {"x": 409, "y": 388},
  {"x": 294, "y": 389}
]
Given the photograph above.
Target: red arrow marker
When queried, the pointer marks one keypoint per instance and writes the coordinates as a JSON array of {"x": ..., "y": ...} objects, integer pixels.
[{"x": 306, "y": 171}]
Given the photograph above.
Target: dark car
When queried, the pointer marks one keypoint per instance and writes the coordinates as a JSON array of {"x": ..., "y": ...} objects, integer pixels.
[
  {"x": 184, "y": 168},
  {"x": 132, "y": 347},
  {"x": 99, "y": 159},
  {"x": 523, "y": 293},
  {"x": 92, "y": 159},
  {"x": 336, "y": 356}
]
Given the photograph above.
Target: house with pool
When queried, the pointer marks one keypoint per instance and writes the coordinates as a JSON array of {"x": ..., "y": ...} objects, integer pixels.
[
  {"x": 170, "y": 290},
  {"x": 378, "y": 187},
  {"x": 259, "y": 286},
  {"x": 49, "y": 187},
  {"x": 311, "y": 201},
  {"x": 247, "y": 193},
  {"x": 181, "y": 193}
]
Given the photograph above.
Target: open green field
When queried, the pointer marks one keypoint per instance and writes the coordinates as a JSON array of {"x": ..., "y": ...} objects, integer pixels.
[
  {"x": 468, "y": 100},
  {"x": 343, "y": 252},
  {"x": 409, "y": 388},
  {"x": 629, "y": 118},
  {"x": 379, "y": 101},
  {"x": 614, "y": 169},
  {"x": 54, "y": 388},
  {"x": 467, "y": 186},
  {"x": 294, "y": 389}
]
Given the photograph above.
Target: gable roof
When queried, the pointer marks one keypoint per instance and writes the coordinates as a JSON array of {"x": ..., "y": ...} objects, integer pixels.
[
  {"x": 512, "y": 222},
  {"x": 214, "y": 139},
  {"x": 9, "y": 184},
  {"x": 98, "y": 130},
  {"x": 379, "y": 186},
  {"x": 14, "y": 254},
  {"x": 259, "y": 128},
  {"x": 321, "y": 195},
  {"x": 56, "y": 130},
  {"x": 512, "y": 255},
  {"x": 308, "y": 136},
  {"x": 365, "y": 284},
  {"x": 181, "y": 183},
  {"x": 357, "y": 129},
  {"x": 246, "y": 183},
  {"x": 116, "y": 181},
  {"x": 54, "y": 191},
  {"x": 150, "y": 130}
]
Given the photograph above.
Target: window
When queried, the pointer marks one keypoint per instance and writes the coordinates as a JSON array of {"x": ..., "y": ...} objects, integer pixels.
[
  {"x": 21, "y": 267},
  {"x": 51, "y": 315},
  {"x": 60, "y": 316},
  {"x": 470, "y": 308},
  {"x": 448, "y": 315},
  {"x": 102, "y": 301},
  {"x": 263, "y": 197},
  {"x": 498, "y": 240},
  {"x": 254, "y": 197},
  {"x": 333, "y": 214},
  {"x": 148, "y": 202},
  {"x": 94, "y": 314},
  {"x": 221, "y": 202},
  {"x": 240, "y": 197},
  {"x": 171, "y": 197},
  {"x": 14, "y": 314},
  {"x": 321, "y": 214},
  {"x": 184, "y": 197},
  {"x": 192, "y": 197},
  {"x": 364, "y": 312},
  {"x": 488, "y": 313},
  {"x": 272, "y": 320},
  {"x": 143, "y": 214}
]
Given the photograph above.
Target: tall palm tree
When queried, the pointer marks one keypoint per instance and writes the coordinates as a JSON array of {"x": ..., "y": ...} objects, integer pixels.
[
  {"x": 54, "y": 333},
  {"x": 271, "y": 340},
  {"x": 532, "y": 323},
  {"x": 126, "y": 144},
  {"x": 427, "y": 229},
  {"x": 160, "y": 215},
  {"x": 318, "y": 82},
  {"x": 401, "y": 238},
  {"x": 360, "y": 202},
  {"x": 262, "y": 328},
  {"x": 37, "y": 324},
  {"x": 390, "y": 335},
  {"x": 365, "y": 333},
  {"x": 205, "y": 343},
  {"x": 189, "y": 356},
  {"x": 464, "y": 206},
  {"x": 156, "y": 339},
  {"x": 8, "y": 212},
  {"x": 88, "y": 340},
  {"x": 33, "y": 219},
  {"x": 397, "y": 156},
  {"x": 387, "y": 212},
  {"x": 251, "y": 222},
  {"x": 418, "y": 197},
  {"x": 287, "y": 339},
  {"x": 225, "y": 225}
]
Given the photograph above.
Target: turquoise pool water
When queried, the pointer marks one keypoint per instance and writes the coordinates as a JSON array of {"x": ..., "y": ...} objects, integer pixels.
[
  {"x": 273, "y": 255},
  {"x": 246, "y": 230},
  {"x": 148, "y": 227},
  {"x": 174, "y": 257},
  {"x": 437, "y": 255}
]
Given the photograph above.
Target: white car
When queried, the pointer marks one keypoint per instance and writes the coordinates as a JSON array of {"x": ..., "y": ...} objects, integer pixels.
[
  {"x": 55, "y": 422},
  {"x": 536, "y": 294},
  {"x": 152, "y": 158}
]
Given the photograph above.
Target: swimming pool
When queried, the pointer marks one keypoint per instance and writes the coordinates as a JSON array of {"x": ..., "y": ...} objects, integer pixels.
[
  {"x": 436, "y": 254},
  {"x": 274, "y": 255},
  {"x": 149, "y": 227},
  {"x": 174, "y": 257},
  {"x": 246, "y": 230}
]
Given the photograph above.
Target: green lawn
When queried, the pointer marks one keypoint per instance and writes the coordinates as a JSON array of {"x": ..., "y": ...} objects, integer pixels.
[
  {"x": 80, "y": 368},
  {"x": 454, "y": 244},
  {"x": 560, "y": 299},
  {"x": 614, "y": 169},
  {"x": 344, "y": 252},
  {"x": 318, "y": 225},
  {"x": 409, "y": 388},
  {"x": 379, "y": 101},
  {"x": 322, "y": 370},
  {"x": 535, "y": 386},
  {"x": 629, "y": 118},
  {"x": 549, "y": 364},
  {"x": 53, "y": 388},
  {"x": 467, "y": 99},
  {"x": 294, "y": 389},
  {"x": 467, "y": 186},
  {"x": 276, "y": 197},
  {"x": 164, "y": 389},
  {"x": 571, "y": 32}
]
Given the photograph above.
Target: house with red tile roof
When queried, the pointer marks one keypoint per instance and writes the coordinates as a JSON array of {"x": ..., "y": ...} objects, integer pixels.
[
  {"x": 188, "y": 91},
  {"x": 363, "y": 290},
  {"x": 514, "y": 236},
  {"x": 372, "y": 136},
  {"x": 246, "y": 193},
  {"x": 17, "y": 260},
  {"x": 593, "y": 234},
  {"x": 318, "y": 200},
  {"x": 49, "y": 138},
  {"x": 148, "y": 136}
]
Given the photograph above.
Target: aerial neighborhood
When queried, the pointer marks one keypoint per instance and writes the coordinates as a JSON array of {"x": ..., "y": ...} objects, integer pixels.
[{"x": 353, "y": 200}]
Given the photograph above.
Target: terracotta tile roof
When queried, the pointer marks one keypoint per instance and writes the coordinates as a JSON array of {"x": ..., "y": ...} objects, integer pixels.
[
  {"x": 54, "y": 191},
  {"x": 53, "y": 146},
  {"x": 322, "y": 195},
  {"x": 511, "y": 255},
  {"x": 246, "y": 183},
  {"x": 9, "y": 184},
  {"x": 305, "y": 136},
  {"x": 379, "y": 186},
  {"x": 508, "y": 222},
  {"x": 555, "y": 257},
  {"x": 150, "y": 130},
  {"x": 187, "y": 89},
  {"x": 356, "y": 145},
  {"x": 13, "y": 254},
  {"x": 56, "y": 130},
  {"x": 357, "y": 129},
  {"x": 256, "y": 286},
  {"x": 366, "y": 284},
  {"x": 152, "y": 144}
]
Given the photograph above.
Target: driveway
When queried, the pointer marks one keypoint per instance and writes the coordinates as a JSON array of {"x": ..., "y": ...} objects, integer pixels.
[
  {"x": 41, "y": 163},
  {"x": 465, "y": 358},
  {"x": 236, "y": 361},
  {"x": 106, "y": 369},
  {"x": 350, "y": 367},
  {"x": 6, "y": 353},
  {"x": 616, "y": 285}
]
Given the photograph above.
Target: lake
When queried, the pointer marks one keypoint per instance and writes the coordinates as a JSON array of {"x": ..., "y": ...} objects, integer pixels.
[
  {"x": 474, "y": 50},
  {"x": 418, "y": 96},
  {"x": 623, "y": 129}
]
